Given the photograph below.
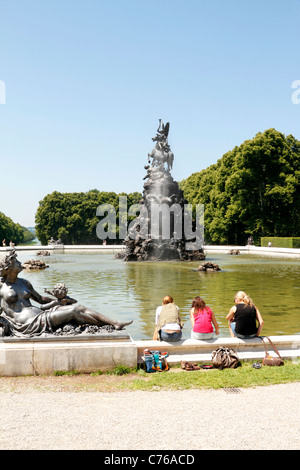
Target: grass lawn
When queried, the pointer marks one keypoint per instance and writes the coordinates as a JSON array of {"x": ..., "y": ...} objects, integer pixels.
[
  {"x": 244, "y": 376},
  {"x": 124, "y": 379}
]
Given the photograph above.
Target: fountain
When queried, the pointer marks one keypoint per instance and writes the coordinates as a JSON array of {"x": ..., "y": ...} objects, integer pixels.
[{"x": 159, "y": 232}]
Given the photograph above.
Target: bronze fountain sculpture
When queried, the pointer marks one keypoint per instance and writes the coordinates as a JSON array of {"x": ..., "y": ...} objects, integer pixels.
[{"x": 147, "y": 240}]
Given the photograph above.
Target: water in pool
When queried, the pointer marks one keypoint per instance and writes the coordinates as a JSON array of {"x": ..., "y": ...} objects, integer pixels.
[{"x": 133, "y": 290}]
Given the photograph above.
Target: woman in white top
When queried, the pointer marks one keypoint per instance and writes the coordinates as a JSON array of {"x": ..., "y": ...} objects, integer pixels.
[{"x": 170, "y": 331}]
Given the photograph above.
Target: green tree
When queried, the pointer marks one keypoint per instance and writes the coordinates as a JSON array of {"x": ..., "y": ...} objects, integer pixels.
[
  {"x": 28, "y": 235},
  {"x": 252, "y": 190},
  {"x": 11, "y": 231},
  {"x": 72, "y": 216}
]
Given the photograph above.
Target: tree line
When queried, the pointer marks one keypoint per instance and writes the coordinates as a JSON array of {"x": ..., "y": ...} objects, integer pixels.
[
  {"x": 72, "y": 217},
  {"x": 13, "y": 232},
  {"x": 253, "y": 189}
]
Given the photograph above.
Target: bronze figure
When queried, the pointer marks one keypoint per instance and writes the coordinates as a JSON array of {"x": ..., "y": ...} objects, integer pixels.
[{"x": 18, "y": 317}]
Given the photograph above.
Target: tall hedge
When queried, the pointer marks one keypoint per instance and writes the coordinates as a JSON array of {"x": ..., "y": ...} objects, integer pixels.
[{"x": 281, "y": 242}]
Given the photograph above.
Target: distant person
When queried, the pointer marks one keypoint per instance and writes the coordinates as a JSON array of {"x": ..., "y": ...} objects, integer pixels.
[
  {"x": 4, "y": 242},
  {"x": 203, "y": 320},
  {"x": 269, "y": 244},
  {"x": 243, "y": 317},
  {"x": 11, "y": 243},
  {"x": 250, "y": 240},
  {"x": 168, "y": 322}
]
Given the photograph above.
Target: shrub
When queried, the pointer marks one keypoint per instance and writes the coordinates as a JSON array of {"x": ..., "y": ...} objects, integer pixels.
[
  {"x": 281, "y": 242},
  {"x": 120, "y": 370}
]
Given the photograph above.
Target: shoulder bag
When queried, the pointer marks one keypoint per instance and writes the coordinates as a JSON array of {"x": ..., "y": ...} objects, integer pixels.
[
  {"x": 224, "y": 357},
  {"x": 271, "y": 360}
]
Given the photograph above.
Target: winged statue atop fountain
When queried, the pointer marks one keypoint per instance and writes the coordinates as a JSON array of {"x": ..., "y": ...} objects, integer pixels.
[{"x": 162, "y": 153}]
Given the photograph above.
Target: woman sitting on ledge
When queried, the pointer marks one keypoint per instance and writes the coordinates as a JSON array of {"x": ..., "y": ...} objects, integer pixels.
[
  {"x": 242, "y": 318},
  {"x": 203, "y": 320},
  {"x": 20, "y": 318},
  {"x": 168, "y": 322}
]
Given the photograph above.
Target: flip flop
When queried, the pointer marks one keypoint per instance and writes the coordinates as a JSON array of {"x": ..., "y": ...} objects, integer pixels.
[{"x": 189, "y": 366}]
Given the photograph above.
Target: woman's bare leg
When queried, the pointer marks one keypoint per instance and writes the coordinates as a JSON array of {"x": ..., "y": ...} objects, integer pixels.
[{"x": 102, "y": 320}]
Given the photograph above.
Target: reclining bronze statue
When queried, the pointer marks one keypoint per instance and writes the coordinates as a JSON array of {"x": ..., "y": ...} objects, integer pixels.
[{"x": 18, "y": 317}]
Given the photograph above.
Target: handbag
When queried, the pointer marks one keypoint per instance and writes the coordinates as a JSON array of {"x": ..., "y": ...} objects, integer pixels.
[
  {"x": 224, "y": 357},
  {"x": 271, "y": 360}
]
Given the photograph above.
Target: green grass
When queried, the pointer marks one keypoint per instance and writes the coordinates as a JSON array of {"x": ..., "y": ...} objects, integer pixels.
[
  {"x": 58, "y": 373},
  {"x": 244, "y": 376},
  {"x": 120, "y": 370},
  {"x": 124, "y": 378}
]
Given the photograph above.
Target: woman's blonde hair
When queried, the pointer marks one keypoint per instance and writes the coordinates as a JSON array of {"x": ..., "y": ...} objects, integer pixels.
[
  {"x": 243, "y": 297},
  {"x": 167, "y": 300}
]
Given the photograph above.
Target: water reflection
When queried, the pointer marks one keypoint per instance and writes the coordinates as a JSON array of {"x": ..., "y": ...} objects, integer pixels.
[{"x": 134, "y": 290}]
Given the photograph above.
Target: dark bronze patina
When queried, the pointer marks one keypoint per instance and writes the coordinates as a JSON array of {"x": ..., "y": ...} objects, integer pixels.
[{"x": 18, "y": 317}]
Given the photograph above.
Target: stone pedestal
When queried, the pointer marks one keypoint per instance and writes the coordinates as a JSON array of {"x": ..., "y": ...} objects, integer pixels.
[{"x": 83, "y": 353}]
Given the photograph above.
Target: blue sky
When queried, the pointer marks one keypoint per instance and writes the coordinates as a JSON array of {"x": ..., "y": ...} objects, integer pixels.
[{"x": 87, "y": 80}]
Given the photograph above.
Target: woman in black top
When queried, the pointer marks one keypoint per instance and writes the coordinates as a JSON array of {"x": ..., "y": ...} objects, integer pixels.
[{"x": 242, "y": 317}]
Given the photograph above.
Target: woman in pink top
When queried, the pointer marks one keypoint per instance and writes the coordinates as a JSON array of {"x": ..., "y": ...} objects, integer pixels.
[{"x": 203, "y": 320}]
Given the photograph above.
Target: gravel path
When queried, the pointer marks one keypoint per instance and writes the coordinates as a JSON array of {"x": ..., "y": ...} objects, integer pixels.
[{"x": 264, "y": 418}]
